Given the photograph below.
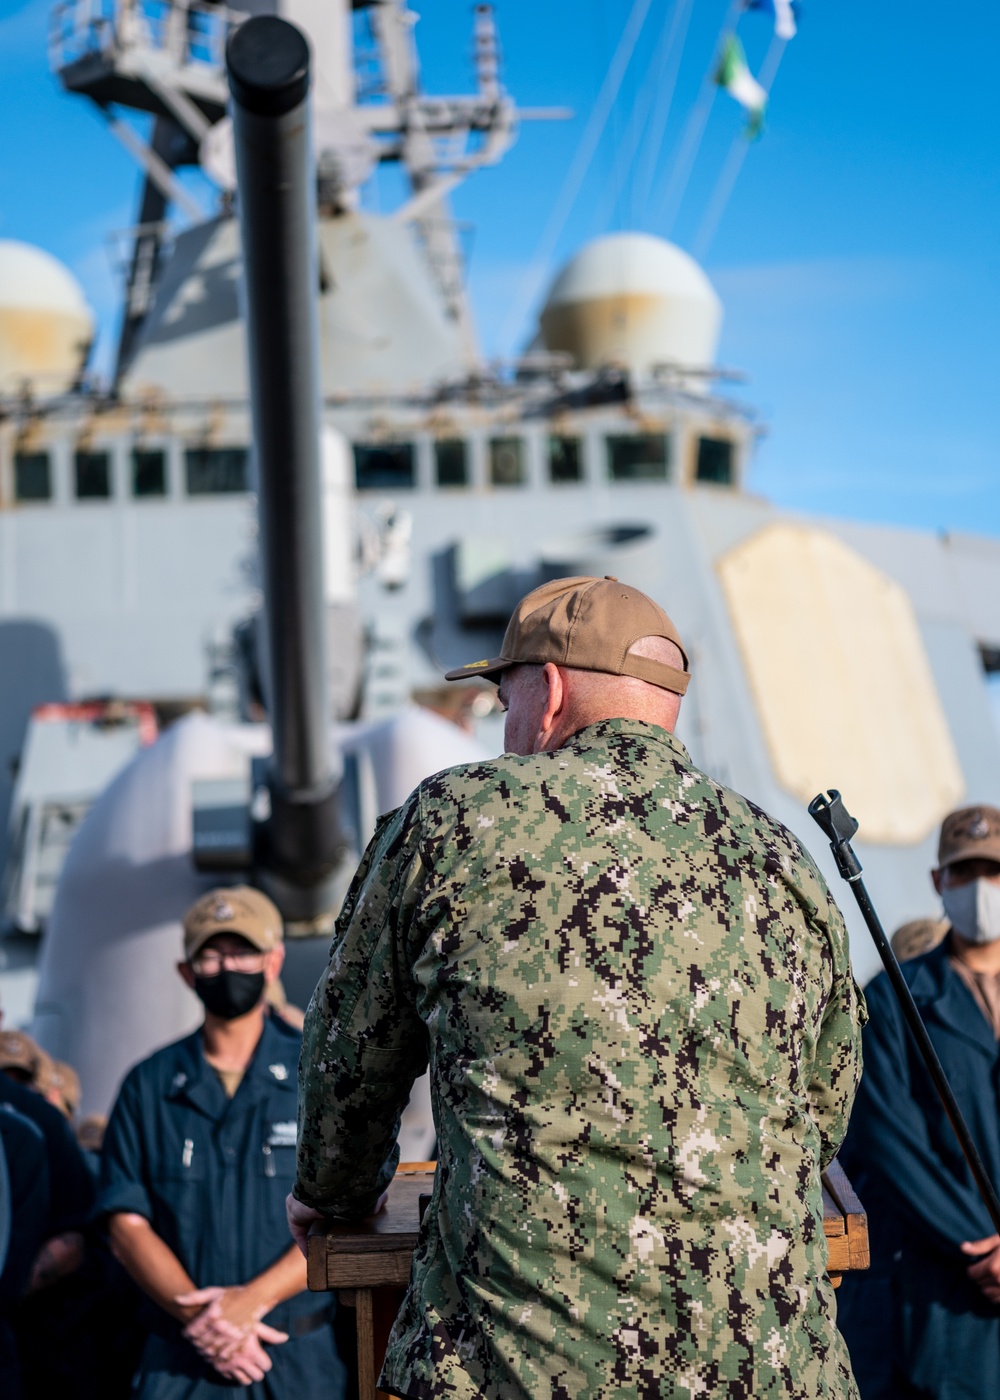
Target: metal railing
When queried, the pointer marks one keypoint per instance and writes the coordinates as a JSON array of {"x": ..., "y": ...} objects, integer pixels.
[{"x": 185, "y": 32}]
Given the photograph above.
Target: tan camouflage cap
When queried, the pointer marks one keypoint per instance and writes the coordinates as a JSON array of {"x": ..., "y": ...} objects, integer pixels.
[
  {"x": 19, "y": 1051},
  {"x": 587, "y": 623},
  {"x": 918, "y": 936},
  {"x": 972, "y": 833},
  {"x": 241, "y": 910}
]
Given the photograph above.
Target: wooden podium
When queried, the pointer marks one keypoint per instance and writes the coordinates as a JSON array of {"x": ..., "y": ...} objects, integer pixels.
[
  {"x": 368, "y": 1264},
  {"x": 845, "y": 1225}
]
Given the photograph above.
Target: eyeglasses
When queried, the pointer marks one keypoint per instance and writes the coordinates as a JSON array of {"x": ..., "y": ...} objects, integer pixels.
[{"x": 211, "y": 964}]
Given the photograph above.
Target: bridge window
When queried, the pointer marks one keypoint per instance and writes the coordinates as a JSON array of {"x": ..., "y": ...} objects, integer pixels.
[
  {"x": 215, "y": 471},
  {"x": 451, "y": 462},
  {"x": 93, "y": 476},
  {"x": 507, "y": 461},
  {"x": 565, "y": 459},
  {"x": 642, "y": 457},
  {"x": 149, "y": 472},
  {"x": 32, "y": 476},
  {"x": 384, "y": 466},
  {"x": 715, "y": 461}
]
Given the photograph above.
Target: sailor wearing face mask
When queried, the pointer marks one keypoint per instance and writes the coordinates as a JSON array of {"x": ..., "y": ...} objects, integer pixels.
[
  {"x": 925, "y": 1320},
  {"x": 197, "y": 1160}
]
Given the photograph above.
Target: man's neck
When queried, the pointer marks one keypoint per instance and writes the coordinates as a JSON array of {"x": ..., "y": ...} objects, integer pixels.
[
  {"x": 573, "y": 726},
  {"x": 230, "y": 1044},
  {"x": 980, "y": 957}
]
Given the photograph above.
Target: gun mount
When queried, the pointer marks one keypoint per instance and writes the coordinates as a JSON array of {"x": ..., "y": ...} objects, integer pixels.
[{"x": 296, "y": 842}]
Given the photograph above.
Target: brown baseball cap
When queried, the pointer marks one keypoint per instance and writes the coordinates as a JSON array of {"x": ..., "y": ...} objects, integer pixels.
[
  {"x": 971, "y": 833},
  {"x": 241, "y": 910},
  {"x": 587, "y": 623},
  {"x": 19, "y": 1051}
]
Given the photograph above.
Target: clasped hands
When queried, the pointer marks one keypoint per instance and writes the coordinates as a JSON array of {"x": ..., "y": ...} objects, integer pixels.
[
  {"x": 228, "y": 1332},
  {"x": 986, "y": 1271}
]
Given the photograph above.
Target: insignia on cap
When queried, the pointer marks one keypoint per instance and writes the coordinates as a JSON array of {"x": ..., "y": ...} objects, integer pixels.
[
  {"x": 980, "y": 828},
  {"x": 223, "y": 911},
  {"x": 472, "y": 665}
]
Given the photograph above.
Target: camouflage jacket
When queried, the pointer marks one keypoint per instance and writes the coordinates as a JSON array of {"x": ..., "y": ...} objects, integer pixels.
[{"x": 635, "y": 994}]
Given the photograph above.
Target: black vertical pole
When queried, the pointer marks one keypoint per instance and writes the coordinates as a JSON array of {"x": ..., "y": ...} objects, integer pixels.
[{"x": 268, "y": 66}]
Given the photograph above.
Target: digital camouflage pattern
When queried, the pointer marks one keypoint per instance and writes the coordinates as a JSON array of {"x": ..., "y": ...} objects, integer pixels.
[{"x": 636, "y": 996}]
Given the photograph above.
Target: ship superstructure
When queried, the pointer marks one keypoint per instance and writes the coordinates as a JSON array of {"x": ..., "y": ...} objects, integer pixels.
[
  {"x": 825, "y": 653},
  {"x": 129, "y": 538}
]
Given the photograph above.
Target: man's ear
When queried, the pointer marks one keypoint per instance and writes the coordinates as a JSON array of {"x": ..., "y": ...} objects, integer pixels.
[
  {"x": 555, "y": 699},
  {"x": 936, "y": 878},
  {"x": 187, "y": 975},
  {"x": 273, "y": 964}
]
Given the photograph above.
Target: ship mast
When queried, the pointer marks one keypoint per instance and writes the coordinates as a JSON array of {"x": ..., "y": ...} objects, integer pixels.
[{"x": 167, "y": 61}]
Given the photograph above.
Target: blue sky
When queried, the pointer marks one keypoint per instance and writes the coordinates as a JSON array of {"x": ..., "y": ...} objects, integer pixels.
[{"x": 857, "y": 258}]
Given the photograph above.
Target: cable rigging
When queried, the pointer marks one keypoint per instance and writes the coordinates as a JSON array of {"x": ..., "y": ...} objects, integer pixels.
[
  {"x": 665, "y": 98},
  {"x": 659, "y": 83},
  {"x": 538, "y": 267},
  {"x": 694, "y": 130}
]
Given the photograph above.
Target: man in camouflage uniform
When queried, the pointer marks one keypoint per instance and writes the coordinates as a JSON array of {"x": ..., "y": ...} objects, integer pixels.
[{"x": 635, "y": 994}]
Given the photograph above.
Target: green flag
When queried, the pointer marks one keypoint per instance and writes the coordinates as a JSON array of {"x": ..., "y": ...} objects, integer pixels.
[{"x": 734, "y": 75}]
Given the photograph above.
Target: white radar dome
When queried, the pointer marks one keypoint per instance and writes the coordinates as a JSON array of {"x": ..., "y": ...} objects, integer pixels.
[
  {"x": 46, "y": 325},
  {"x": 635, "y": 300}
]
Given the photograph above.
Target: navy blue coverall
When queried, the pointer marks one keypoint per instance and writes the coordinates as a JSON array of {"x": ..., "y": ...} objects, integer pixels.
[
  {"x": 211, "y": 1174},
  {"x": 53, "y": 1311},
  {"x": 27, "y": 1180},
  {"x": 915, "y": 1324},
  {"x": 70, "y": 1183}
]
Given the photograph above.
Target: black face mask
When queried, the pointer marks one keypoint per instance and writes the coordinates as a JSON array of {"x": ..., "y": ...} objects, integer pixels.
[{"x": 230, "y": 994}]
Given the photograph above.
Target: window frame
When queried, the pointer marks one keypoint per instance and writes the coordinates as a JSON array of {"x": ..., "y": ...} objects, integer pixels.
[
  {"x": 134, "y": 454},
  {"x": 577, "y": 440},
  {"x": 403, "y": 445},
  {"x": 28, "y": 457},
  {"x": 84, "y": 458},
  {"x": 493, "y": 446},
  {"x": 452, "y": 442},
  {"x": 715, "y": 442},
  {"x": 613, "y": 439},
  {"x": 192, "y": 452}
]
